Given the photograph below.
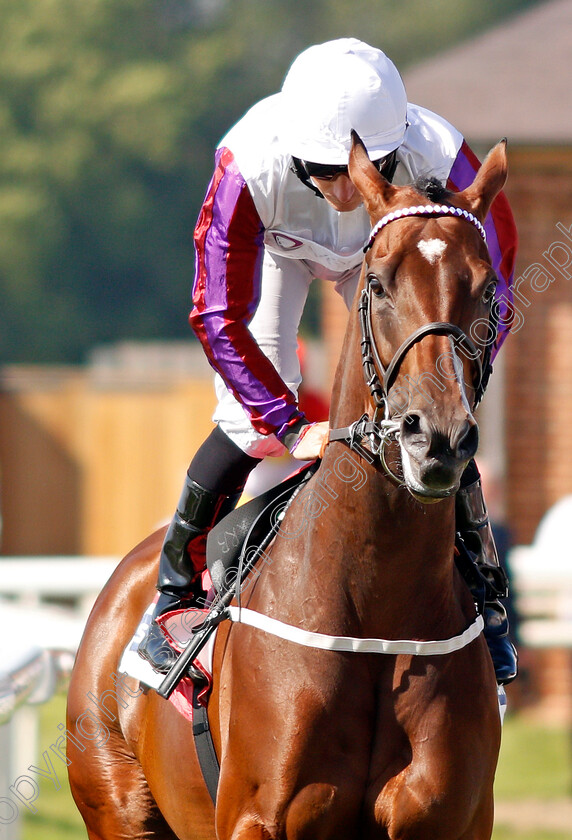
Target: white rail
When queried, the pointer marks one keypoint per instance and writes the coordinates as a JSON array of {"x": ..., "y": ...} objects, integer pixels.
[
  {"x": 38, "y": 638},
  {"x": 30, "y": 585},
  {"x": 543, "y": 591}
]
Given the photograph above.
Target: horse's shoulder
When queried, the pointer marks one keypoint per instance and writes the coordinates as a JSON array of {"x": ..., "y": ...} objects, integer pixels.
[{"x": 140, "y": 563}]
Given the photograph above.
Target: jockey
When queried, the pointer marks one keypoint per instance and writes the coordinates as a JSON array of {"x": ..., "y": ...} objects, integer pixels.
[{"x": 280, "y": 211}]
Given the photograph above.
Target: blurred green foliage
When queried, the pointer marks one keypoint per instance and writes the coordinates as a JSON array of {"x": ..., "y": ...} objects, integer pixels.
[{"x": 109, "y": 114}]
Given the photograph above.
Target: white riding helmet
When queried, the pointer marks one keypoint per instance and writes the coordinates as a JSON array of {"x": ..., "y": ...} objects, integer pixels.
[{"x": 334, "y": 87}]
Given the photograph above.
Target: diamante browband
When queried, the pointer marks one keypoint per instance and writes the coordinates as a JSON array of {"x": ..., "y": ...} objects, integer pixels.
[{"x": 425, "y": 210}]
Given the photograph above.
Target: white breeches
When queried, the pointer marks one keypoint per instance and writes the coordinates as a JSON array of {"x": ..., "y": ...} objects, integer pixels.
[{"x": 284, "y": 288}]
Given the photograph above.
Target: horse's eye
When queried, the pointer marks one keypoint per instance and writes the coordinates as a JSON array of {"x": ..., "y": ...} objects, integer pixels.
[
  {"x": 489, "y": 293},
  {"x": 375, "y": 285}
]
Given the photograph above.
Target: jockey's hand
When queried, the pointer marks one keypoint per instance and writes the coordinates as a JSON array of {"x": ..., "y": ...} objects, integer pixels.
[{"x": 312, "y": 442}]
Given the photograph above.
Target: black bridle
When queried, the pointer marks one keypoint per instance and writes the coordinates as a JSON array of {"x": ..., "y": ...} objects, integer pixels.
[
  {"x": 380, "y": 378},
  {"x": 368, "y": 436}
]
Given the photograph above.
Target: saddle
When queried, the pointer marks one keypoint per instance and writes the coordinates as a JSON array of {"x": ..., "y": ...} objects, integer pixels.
[{"x": 236, "y": 542}]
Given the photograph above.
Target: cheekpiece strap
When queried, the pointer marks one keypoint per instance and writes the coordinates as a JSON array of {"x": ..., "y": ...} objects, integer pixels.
[{"x": 424, "y": 210}]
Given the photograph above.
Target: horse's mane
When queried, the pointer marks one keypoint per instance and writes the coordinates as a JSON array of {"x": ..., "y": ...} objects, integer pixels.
[{"x": 433, "y": 189}]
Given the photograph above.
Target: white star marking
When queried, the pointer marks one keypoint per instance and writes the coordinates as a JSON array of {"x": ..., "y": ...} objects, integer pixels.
[{"x": 432, "y": 249}]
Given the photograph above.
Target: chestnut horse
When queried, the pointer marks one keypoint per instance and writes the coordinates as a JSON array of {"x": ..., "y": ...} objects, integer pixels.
[{"x": 317, "y": 743}]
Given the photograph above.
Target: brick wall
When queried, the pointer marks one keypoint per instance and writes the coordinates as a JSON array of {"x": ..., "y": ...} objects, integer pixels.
[
  {"x": 538, "y": 355},
  {"x": 537, "y": 404}
]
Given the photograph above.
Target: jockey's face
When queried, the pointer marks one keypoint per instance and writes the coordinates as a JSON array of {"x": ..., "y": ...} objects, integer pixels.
[
  {"x": 334, "y": 183},
  {"x": 339, "y": 191}
]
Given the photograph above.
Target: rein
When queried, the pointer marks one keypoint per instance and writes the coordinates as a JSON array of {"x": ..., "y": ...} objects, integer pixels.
[{"x": 366, "y": 436}]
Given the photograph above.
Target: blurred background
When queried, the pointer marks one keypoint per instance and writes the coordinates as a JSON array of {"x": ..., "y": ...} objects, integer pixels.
[{"x": 110, "y": 111}]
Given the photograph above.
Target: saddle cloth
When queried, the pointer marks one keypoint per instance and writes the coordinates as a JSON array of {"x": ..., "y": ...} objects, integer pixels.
[{"x": 177, "y": 627}]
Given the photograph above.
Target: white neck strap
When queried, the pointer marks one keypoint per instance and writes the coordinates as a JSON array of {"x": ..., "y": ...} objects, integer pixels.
[{"x": 348, "y": 644}]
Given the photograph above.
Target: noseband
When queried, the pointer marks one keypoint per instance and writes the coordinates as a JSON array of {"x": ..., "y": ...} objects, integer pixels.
[{"x": 378, "y": 377}]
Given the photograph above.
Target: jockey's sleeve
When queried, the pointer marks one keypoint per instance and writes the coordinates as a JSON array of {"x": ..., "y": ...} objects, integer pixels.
[
  {"x": 502, "y": 239},
  {"x": 226, "y": 291}
]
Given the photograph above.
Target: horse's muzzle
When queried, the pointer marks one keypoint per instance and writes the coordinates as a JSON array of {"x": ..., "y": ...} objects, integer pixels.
[{"x": 434, "y": 458}]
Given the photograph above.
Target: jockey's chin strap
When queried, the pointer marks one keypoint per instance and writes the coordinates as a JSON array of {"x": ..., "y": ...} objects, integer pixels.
[
  {"x": 300, "y": 171},
  {"x": 369, "y": 436}
]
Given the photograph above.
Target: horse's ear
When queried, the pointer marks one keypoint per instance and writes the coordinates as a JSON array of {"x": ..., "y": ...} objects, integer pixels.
[
  {"x": 376, "y": 190},
  {"x": 489, "y": 181}
]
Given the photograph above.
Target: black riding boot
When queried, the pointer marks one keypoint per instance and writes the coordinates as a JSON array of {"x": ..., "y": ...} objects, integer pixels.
[
  {"x": 218, "y": 464},
  {"x": 476, "y": 534},
  {"x": 179, "y": 579}
]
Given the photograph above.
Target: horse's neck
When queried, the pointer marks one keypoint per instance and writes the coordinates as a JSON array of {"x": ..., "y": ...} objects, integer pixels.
[
  {"x": 384, "y": 538},
  {"x": 381, "y": 511},
  {"x": 371, "y": 553}
]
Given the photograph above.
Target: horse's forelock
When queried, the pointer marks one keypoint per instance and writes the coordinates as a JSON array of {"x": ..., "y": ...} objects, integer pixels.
[{"x": 433, "y": 190}]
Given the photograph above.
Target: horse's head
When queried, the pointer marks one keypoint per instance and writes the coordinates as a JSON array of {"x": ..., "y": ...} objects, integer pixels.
[{"x": 425, "y": 307}]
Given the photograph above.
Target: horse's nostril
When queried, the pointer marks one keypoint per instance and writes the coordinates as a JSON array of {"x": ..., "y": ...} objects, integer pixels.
[
  {"x": 415, "y": 434},
  {"x": 423, "y": 439},
  {"x": 411, "y": 424},
  {"x": 467, "y": 440}
]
